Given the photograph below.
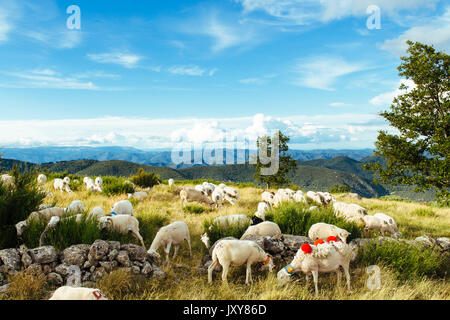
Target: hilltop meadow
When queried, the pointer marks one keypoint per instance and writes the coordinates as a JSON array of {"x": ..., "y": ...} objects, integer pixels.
[{"x": 402, "y": 274}]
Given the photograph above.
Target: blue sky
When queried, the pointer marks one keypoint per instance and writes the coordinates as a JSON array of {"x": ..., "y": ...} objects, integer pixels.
[{"x": 151, "y": 74}]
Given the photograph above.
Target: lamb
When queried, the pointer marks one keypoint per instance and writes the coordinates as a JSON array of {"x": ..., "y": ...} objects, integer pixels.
[
  {"x": 171, "y": 183},
  {"x": 139, "y": 195},
  {"x": 325, "y": 257},
  {"x": 42, "y": 179},
  {"x": 234, "y": 219},
  {"x": 97, "y": 213},
  {"x": 124, "y": 224},
  {"x": 267, "y": 197},
  {"x": 189, "y": 195},
  {"x": 172, "y": 234},
  {"x": 61, "y": 185},
  {"x": 324, "y": 230},
  {"x": 217, "y": 196},
  {"x": 315, "y": 197},
  {"x": 7, "y": 180},
  {"x": 75, "y": 207},
  {"x": 238, "y": 252},
  {"x": 266, "y": 228},
  {"x": 389, "y": 224},
  {"x": 99, "y": 182},
  {"x": 42, "y": 215},
  {"x": 123, "y": 207},
  {"x": 67, "y": 180},
  {"x": 351, "y": 212},
  {"x": 77, "y": 293}
]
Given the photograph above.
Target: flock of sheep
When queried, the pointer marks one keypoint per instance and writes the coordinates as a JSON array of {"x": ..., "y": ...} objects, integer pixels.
[{"x": 329, "y": 252}]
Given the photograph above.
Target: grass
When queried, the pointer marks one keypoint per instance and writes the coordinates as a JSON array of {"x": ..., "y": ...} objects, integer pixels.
[{"x": 184, "y": 282}]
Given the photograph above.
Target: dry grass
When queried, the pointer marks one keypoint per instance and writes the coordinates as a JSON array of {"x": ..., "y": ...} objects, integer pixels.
[{"x": 184, "y": 282}]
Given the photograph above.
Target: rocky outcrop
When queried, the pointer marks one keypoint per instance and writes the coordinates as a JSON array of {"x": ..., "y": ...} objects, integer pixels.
[{"x": 79, "y": 264}]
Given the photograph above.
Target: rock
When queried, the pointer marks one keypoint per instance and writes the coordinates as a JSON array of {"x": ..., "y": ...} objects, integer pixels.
[
  {"x": 98, "y": 274},
  {"x": 158, "y": 273},
  {"x": 135, "y": 252},
  {"x": 62, "y": 269},
  {"x": 5, "y": 288},
  {"x": 153, "y": 257},
  {"x": 135, "y": 270},
  {"x": 114, "y": 245},
  {"x": 139, "y": 264},
  {"x": 87, "y": 265},
  {"x": 443, "y": 243},
  {"x": 46, "y": 269},
  {"x": 113, "y": 254},
  {"x": 75, "y": 255},
  {"x": 295, "y": 242},
  {"x": 34, "y": 269},
  {"x": 147, "y": 268},
  {"x": 26, "y": 259},
  {"x": 98, "y": 251},
  {"x": 109, "y": 265},
  {"x": 85, "y": 276},
  {"x": 10, "y": 260},
  {"x": 425, "y": 240},
  {"x": 55, "y": 279},
  {"x": 123, "y": 258},
  {"x": 45, "y": 254}
]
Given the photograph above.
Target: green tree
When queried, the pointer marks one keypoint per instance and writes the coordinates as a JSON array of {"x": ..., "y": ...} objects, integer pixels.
[
  {"x": 417, "y": 153},
  {"x": 286, "y": 163}
]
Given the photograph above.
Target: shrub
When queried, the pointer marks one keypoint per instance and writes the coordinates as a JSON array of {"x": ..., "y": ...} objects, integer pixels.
[
  {"x": 117, "y": 186},
  {"x": 296, "y": 219},
  {"x": 16, "y": 204},
  {"x": 145, "y": 179},
  {"x": 218, "y": 232},
  {"x": 406, "y": 260},
  {"x": 340, "y": 189},
  {"x": 26, "y": 285}
]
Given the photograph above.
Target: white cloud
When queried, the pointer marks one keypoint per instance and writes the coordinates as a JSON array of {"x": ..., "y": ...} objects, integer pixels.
[
  {"x": 436, "y": 33},
  {"x": 385, "y": 99},
  {"x": 340, "y": 104},
  {"x": 322, "y": 72},
  {"x": 252, "y": 81},
  {"x": 127, "y": 60},
  {"x": 191, "y": 70}
]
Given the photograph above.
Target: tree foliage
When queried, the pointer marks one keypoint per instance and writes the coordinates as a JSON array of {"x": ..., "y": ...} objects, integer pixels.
[
  {"x": 286, "y": 162},
  {"x": 417, "y": 154}
]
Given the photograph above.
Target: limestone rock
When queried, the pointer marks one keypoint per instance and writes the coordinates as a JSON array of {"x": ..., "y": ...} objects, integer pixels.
[
  {"x": 55, "y": 279},
  {"x": 135, "y": 252},
  {"x": 46, "y": 254},
  {"x": 98, "y": 251},
  {"x": 123, "y": 258},
  {"x": 10, "y": 260},
  {"x": 75, "y": 255}
]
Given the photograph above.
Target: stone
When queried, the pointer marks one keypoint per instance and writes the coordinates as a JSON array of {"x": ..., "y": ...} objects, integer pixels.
[
  {"x": 10, "y": 258},
  {"x": 98, "y": 251},
  {"x": 75, "y": 255},
  {"x": 114, "y": 245},
  {"x": 87, "y": 265},
  {"x": 135, "y": 270},
  {"x": 147, "y": 268},
  {"x": 425, "y": 240},
  {"x": 109, "y": 265},
  {"x": 85, "y": 276},
  {"x": 5, "y": 288},
  {"x": 55, "y": 279},
  {"x": 62, "y": 269},
  {"x": 443, "y": 243},
  {"x": 295, "y": 242},
  {"x": 98, "y": 274},
  {"x": 26, "y": 259},
  {"x": 123, "y": 258},
  {"x": 153, "y": 257},
  {"x": 33, "y": 269},
  {"x": 158, "y": 273},
  {"x": 135, "y": 252},
  {"x": 113, "y": 254},
  {"x": 139, "y": 264},
  {"x": 46, "y": 254},
  {"x": 46, "y": 269}
]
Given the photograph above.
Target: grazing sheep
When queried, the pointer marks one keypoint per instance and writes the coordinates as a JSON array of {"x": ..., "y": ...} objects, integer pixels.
[
  {"x": 232, "y": 220},
  {"x": 88, "y": 180},
  {"x": 326, "y": 257},
  {"x": 139, "y": 195},
  {"x": 315, "y": 197},
  {"x": 172, "y": 234},
  {"x": 75, "y": 207},
  {"x": 201, "y": 189},
  {"x": 42, "y": 215},
  {"x": 208, "y": 187},
  {"x": 327, "y": 197},
  {"x": 67, "y": 180},
  {"x": 189, "y": 195},
  {"x": 7, "y": 180},
  {"x": 42, "y": 179},
  {"x": 61, "y": 185},
  {"x": 351, "y": 212},
  {"x": 238, "y": 252},
  {"x": 267, "y": 197},
  {"x": 217, "y": 196},
  {"x": 263, "y": 207},
  {"x": 97, "y": 213},
  {"x": 54, "y": 222},
  {"x": 266, "y": 228},
  {"x": 122, "y": 207},
  {"x": 76, "y": 293},
  {"x": 99, "y": 182},
  {"x": 391, "y": 227},
  {"x": 124, "y": 224},
  {"x": 45, "y": 206},
  {"x": 324, "y": 230},
  {"x": 92, "y": 187},
  {"x": 231, "y": 193},
  {"x": 171, "y": 183},
  {"x": 299, "y": 197},
  {"x": 281, "y": 196}
]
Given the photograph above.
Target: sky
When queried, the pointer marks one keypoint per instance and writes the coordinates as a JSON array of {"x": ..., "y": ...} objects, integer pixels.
[{"x": 154, "y": 74}]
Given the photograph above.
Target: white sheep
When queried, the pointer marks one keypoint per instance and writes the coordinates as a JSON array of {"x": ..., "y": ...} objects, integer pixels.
[
  {"x": 326, "y": 257},
  {"x": 97, "y": 213},
  {"x": 172, "y": 234},
  {"x": 124, "y": 224},
  {"x": 389, "y": 224},
  {"x": 99, "y": 182},
  {"x": 42, "y": 179},
  {"x": 171, "y": 183},
  {"x": 282, "y": 196},
  {"x": 61, "y": 185},
  {"x": 266, "y": 228},
  {"x": 92, "y": 187},
  {"x": 7, "y": 180},
  {"x": 238, "y": 252},
  {"x": 189, "y": 195},
  {"x": 217, "y": 196},
  {"x": 351, "y": 212},
  {"x": 88, "y": 180},
  {"x": 315, "y": 197},
  {"x": 231, "y": 194},
  {"x": 267, "y": 197},
  {"x": 299, "y": 197},
  {"x": 327, "y": 197},
  {"x": 139, "y": 195},
  {"x": 209, "y": 187},
  {"x": 122, "y": 207},
  {"x": 75, "y": 207},
  {"x": 323, "y": 231},
  {"x": 77, "y": 293},
  {"x": 42, "y": 215},
  {"x": 201, "y": 189},
  {"x": 263, "y": 207},
  {"x": 67, "y": 180}
]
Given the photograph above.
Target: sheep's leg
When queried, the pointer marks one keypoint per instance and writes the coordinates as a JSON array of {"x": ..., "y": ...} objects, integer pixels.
[
  {"x": 167, "y": 251},
  {"x": 189, "y": 245},
  {"x": 225, "y": 267},
  {"x": 347, "y": 275},
  {"x": 315, "y": 274},
  {"x": 338, "y": 274},
  {"x": 175, "y": 252},
  {"x": 139, "y": 238},
  {"x": 248, "y": 277}
]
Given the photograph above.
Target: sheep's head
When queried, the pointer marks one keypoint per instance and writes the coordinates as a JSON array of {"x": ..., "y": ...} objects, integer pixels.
[
  {"x": 130, "y": 195},
  {"x": 343, "y": 235},
  {"x": 205, "y": 239},
  {"x": 283, "y": 276},
  {"x": 105, "y": 222},
  {"x": 20, "y": 227}
]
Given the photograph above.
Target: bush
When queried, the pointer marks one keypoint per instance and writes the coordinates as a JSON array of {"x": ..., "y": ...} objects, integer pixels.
[
  {"x": 296, "y": 219},
  {"x": 117, "y": 186},
  {"x": 406, "y": 260},
  {"x": 16, "y": 204},
  {"x": 218, "y": 232},
  {"x": 145, "y": 179},
  {"x": 26, "y": 285},
  {"x": 340, "y": 189}
]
